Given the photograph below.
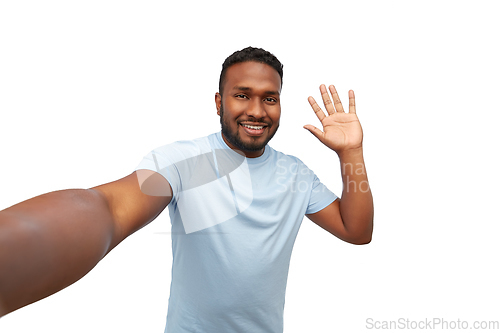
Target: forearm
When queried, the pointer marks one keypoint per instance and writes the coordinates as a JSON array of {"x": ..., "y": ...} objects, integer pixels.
[
  {"x": 49, "y": 242},
  {"x": 356, "y": 204}
]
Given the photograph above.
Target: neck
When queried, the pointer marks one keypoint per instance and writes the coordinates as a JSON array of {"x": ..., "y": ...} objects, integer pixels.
[{"x": 246, "y": 153}]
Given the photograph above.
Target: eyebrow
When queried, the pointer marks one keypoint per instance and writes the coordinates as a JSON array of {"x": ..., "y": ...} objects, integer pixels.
[{"x": 268, "y": 92}]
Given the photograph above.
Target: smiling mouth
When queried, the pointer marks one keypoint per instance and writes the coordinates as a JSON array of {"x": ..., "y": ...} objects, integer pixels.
[
  {"x": 254, "y": 130},
  {"x": 253, "y": 127}
]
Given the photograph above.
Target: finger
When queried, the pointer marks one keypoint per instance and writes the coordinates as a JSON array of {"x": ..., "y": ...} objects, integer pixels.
[
  {"x": 336, "y": 99},
  {"x": 352, "y": 102},
  {"x": 315, "y": 131},
  {"x": 326, "y": 99},
  {"x": 319, "y": 113}
]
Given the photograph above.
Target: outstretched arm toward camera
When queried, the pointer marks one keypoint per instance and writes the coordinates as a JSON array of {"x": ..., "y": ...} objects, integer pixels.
[
  {"x": 52, "y": 240},
  {"x": 351, "y": 217}
]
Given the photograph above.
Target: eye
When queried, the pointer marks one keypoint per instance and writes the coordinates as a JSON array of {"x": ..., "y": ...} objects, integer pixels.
[
  {"x": 240, "y": 96},
  {"x": 270, "y": 100}
]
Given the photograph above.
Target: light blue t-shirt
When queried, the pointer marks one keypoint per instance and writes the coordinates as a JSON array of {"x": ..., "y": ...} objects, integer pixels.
[{"x": 234, "y": 223}]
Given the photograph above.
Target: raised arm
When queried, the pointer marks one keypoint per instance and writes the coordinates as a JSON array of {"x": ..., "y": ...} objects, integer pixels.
[
  {"x": 351, "y": 217},
  {"x": 52, "y": 240}
]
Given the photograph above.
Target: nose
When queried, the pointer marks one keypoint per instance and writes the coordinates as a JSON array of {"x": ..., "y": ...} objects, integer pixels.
[{"x": 256, "y": 109}]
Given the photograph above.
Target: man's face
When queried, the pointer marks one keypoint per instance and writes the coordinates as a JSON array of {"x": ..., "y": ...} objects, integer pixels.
[{"x": 249, "y": 107}]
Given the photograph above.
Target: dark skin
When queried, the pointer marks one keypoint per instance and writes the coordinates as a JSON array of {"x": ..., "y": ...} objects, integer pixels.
[
  {"x": 251, "y": 97},
  {"x": 350, "y": 218},
  {"x": 51, "y": 241}
]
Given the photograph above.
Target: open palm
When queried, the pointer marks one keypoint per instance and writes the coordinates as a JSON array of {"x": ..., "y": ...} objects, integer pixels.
[{"x": 341, "y": 131}]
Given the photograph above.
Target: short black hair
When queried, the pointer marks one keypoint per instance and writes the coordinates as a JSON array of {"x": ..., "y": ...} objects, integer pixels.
[{"x": 250, "y": 54}]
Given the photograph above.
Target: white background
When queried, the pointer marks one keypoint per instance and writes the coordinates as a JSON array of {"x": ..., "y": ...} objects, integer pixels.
[{"x": 88, "y": 88}]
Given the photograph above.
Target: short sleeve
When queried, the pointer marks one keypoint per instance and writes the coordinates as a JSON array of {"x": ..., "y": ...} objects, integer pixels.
[
  {"x": 320, "y": 197},
  {"x": 184, "y": 164},
  {"x": 162, "y": 160}
]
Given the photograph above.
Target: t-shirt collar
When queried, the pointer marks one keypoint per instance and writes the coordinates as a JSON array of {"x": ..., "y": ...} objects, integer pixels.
[{"x": 253, "y": 160}]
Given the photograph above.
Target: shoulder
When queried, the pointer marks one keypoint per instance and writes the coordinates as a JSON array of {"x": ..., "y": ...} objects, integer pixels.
[
  {"x": 286, "y": 160},
  {"x": 180, "y": 150}
]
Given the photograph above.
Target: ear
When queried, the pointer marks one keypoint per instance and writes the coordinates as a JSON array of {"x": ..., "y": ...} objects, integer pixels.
[{"x": 218, "y": 101}]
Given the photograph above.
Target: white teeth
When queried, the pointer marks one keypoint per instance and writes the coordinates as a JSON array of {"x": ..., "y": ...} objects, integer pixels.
[{"x": 254, "y": 127}]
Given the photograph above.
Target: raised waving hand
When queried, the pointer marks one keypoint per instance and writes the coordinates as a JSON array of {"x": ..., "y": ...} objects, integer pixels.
[{"x": 341, "y": 130}]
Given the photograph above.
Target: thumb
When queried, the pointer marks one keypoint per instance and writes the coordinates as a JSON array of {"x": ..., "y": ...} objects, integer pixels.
[{"x": 315, "y": 131}]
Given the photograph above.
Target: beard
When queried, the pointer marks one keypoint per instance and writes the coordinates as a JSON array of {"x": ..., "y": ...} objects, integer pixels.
[{"x": 235, "y": 139}]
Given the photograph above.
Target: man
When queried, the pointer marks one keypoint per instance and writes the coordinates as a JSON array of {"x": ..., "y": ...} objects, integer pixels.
[{"x": 235, "y": 204}]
